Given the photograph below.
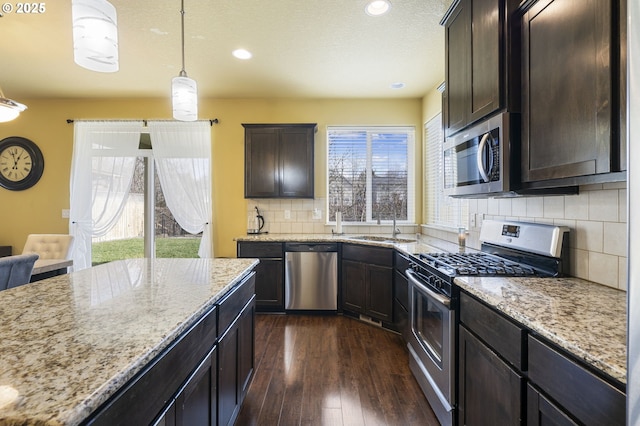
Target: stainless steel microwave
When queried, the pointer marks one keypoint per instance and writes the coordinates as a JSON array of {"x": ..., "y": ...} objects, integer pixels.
[{"x": 477, "y": 160}]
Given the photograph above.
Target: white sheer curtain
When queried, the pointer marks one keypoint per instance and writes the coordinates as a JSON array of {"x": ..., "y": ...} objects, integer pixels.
[
  {"x": 101, "y": 172},
  {"x": 182, "y": 153}
]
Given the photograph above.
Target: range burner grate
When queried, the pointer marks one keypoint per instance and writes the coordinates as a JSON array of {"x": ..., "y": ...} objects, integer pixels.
[{"x": 475, "y": 264}]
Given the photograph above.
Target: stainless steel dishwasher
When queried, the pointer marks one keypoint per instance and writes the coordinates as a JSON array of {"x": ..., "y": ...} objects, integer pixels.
[{"x": 311, "y": 276}]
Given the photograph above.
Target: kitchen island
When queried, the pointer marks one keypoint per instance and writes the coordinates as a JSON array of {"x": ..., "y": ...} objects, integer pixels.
[{"x": 69, "y": 344}]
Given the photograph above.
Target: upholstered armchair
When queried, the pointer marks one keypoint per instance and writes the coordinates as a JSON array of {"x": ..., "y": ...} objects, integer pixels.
[
  {"x": 16, "y": 270},
  {"x": 49, "y": 246}
]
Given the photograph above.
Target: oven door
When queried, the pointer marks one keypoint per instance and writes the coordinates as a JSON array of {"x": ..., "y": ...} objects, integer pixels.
[{"x": 431, "y": 346}]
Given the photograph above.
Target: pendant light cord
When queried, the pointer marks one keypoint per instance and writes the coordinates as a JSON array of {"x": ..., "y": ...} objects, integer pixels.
[{"x": 183, "y": 73}]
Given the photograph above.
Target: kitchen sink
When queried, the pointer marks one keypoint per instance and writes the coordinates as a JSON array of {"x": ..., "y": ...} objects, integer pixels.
[{"x": 382, "y": 239}]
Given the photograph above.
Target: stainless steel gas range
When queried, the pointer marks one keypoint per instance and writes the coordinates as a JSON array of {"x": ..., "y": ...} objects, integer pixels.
[{"x": 507, "y": 249}]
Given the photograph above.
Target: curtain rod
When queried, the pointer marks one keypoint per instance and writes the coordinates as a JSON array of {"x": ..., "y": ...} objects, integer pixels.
[{"x": 144, "y": 121}]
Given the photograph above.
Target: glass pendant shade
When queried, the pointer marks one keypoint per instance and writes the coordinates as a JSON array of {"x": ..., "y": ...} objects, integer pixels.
[
  {"x": 184, "y": 94},
  {"x": 95, "y": 35},
  {"x": 10, "y": 109}
]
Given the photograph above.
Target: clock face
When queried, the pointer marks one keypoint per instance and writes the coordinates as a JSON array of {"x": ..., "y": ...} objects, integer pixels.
[
  {"x": 15, "y": 163},
  {"x": 21, "y": 163}
]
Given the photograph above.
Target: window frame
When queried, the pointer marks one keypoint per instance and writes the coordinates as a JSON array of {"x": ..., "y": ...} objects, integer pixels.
[{"x": 410, "y": 132}]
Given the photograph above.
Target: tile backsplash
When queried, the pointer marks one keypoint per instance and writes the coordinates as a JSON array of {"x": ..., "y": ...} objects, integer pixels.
[
  {"x": 596, "y": 217},
  {"x": 306, "y": 216}
]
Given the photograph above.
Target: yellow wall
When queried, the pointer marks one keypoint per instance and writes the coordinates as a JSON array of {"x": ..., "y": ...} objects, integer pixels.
[{"x": 39, "y": 209}]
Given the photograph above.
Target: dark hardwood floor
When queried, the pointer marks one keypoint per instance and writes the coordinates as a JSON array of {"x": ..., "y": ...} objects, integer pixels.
[{"x": 331, "y": 370}]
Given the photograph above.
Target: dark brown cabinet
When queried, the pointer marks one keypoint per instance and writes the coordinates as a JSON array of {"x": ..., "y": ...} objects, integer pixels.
[
  {"x": 572, "y": 90},
  {"x": 401, "y": 295},
  {"x": 577, "y": 391},
  {"x": 235, "y": 364},
  {"x": 269, "y": 273},
  {"x": 196, "y": 402},
  {"x": 476, "y": 70},
  {"x": 495, "y": 353},
  {"x": 367, "y": 281},
  {"x": 490, "y": 357},
  {"x": 279, "y": 160},
  {"x": 490, "y": 391}
]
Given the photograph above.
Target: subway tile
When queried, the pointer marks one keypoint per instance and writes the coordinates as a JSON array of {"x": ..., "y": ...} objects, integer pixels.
[
  {"x": 589, "y": 235},
  {"x": 576, "y": 206},
  {"x": 579, "y": 263},
  {"x": 622, "y": 205},
  {"x": 483, "y": 205},
  {"x": 603, "y": 269},
  {"x": 553, "y": 207},
  {"x": 519, "y": 207},
  {"x": 615, "y": 238},
  {"x": 493, "y": 206},
  {"x": 504, "y": 206},
  {"x": 535, "y": 207},
  {"x": 603, "y": 205}
]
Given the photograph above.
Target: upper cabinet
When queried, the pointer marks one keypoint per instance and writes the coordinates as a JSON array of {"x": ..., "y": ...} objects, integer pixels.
[
  {"x": 279, "y": 160},
  {"x": 573, "y": 90},
  {"x": 478, "y": 42}
]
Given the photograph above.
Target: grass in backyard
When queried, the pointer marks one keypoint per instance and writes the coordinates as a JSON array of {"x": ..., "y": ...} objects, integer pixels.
[{"x": 134, "y": 247}]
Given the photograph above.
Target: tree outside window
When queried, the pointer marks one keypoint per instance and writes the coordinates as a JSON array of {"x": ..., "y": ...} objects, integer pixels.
[{"x": 370, "y": 177}]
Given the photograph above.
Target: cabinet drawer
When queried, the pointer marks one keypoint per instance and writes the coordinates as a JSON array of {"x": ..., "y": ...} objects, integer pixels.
[
  {"x": 263, "y": 250},
  {"x": 590, "y": 399},
  {"x": 401, "y": 261},
  {"x": 233, "y": 302},
  {"x": 367, "y": 254},
  {"x": 501, "y": 334}
]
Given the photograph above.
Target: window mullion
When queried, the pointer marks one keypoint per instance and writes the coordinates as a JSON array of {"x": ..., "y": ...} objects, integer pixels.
[{"x": 369, "y": 173}]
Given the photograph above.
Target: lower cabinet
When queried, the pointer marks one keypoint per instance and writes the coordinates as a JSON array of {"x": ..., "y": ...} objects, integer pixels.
[
  {"x": 401, "y": 295},
  {"x": 367, "y": 281},
  {"x": 508, "y": 375},
  {"x": 490, "y": 391},
  {"x": 235, "y": 365},
  {"x": 196, "y": 402},
  {"x": 269, "y": 273}
]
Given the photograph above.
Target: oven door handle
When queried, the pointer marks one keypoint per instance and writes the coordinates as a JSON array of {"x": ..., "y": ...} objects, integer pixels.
[{"x": 443, "y": 300}]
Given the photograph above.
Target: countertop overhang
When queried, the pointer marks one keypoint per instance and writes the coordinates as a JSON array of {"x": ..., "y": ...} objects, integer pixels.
[{"x": 70, "y": 342}]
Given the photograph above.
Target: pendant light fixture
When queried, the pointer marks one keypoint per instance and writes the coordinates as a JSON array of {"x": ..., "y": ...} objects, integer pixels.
[
  {"x": 9, "y": 109},
  {"x": 95, "y": 35},
  {"x": 184, "y": 90}
]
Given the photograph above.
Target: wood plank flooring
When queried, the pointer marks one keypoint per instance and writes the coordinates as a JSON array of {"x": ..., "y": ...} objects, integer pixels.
[{"x": 331, "y": 370}]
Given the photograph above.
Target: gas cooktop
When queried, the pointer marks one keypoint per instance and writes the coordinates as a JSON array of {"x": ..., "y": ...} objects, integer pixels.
[{"x": 481, "y": 264}]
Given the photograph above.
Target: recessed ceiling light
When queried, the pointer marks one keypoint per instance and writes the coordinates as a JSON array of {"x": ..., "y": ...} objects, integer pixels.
[
  {"x": 397, "y": 85},
  {"x": 242, "y": 54},
  {"x": 378, "y": 7}
]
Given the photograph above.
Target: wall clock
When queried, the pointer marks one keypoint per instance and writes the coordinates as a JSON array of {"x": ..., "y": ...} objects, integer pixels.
[{"x": 21, "y": 163}]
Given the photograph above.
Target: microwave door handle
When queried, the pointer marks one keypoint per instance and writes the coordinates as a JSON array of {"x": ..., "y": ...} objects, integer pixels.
[{"x": 481, "y": 167}]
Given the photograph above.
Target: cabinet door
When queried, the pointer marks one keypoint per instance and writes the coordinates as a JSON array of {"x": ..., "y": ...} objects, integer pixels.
[
  {"x": 246, "y": 348},
  {"x": 353, "y": 286},
  {"x": 296, "y": 162},
  {"x": 490, "y": 392},
  {"x": 541, "y": 412},
  {"x": 458, "y": 41},
  {"x": 261, "y": 162},
  {"x": 567, "y": 89},
  {"x": 269, "y": 285},
  {"x": 196, "y": 402},
  {"x": 486, "y": 73},
  {"x": 380, "y": 292}
]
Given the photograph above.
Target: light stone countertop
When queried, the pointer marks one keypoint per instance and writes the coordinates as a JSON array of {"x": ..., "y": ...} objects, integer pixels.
[
  {"x": 588, "y": 320},
  {"x": 70, "y": 342}
]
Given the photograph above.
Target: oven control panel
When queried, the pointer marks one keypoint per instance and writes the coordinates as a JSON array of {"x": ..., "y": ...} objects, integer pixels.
[{"x": 539, "y": 238}]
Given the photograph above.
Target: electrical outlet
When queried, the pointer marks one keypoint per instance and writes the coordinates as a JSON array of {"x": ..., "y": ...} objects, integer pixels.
[
  {"x": 287, "y": 214},
  {"x": 472, "y": 220},
  {"x": 65, "y": 213},
  {"x": 317, "y": 214}
]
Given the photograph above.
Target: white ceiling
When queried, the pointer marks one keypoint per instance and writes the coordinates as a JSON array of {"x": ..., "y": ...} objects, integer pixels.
[{"x": 301, "y": 48}]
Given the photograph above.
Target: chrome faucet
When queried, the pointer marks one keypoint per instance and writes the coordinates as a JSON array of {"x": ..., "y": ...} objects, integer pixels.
[{"x": 396, "y": 231}]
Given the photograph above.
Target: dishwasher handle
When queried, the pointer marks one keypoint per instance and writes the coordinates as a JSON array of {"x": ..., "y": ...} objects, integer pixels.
[{"x": 311, "y": 247}]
